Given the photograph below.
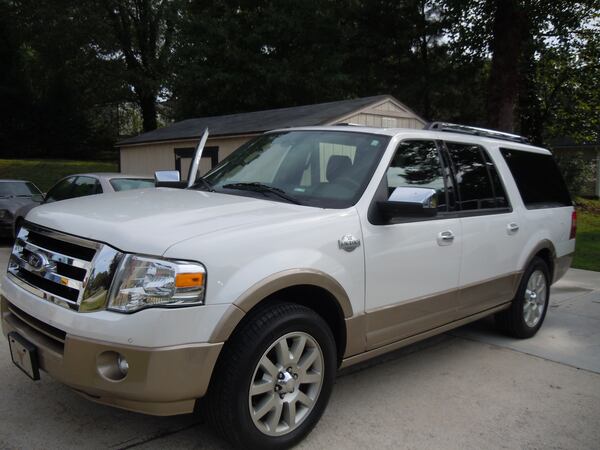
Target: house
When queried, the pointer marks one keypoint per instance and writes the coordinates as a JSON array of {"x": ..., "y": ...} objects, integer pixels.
[{"x": 172, "y": 147}]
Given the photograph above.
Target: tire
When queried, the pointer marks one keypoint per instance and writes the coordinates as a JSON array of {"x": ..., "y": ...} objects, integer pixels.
[
  {"x": 528, "y": 309},
  {"x": 239, "y": 416}
]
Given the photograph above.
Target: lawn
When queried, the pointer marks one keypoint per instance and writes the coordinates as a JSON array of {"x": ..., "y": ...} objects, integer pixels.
[
  {"x": 45, "y": 172},
  {"x": 587, "y": 250}
]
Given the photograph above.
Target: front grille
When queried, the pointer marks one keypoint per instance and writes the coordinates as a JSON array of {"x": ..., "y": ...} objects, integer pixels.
[{"x": 61, "y": 268}]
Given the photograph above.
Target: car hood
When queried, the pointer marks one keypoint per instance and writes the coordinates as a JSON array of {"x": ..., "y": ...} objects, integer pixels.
[
  {"x": 14, "y": 203},
  {"x": 151, "y": 220}
]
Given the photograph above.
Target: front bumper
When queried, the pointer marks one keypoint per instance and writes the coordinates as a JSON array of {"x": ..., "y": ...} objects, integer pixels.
[{"x": 160, "y": 381}]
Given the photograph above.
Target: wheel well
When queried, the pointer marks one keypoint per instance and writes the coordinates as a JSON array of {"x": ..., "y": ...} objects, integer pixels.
[
  {"x": 320, "y": 301},
  {"x": 546, "y": 255}
]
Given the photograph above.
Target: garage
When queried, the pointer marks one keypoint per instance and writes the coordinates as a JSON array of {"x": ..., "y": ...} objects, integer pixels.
[{"x": 172, "y": 147}]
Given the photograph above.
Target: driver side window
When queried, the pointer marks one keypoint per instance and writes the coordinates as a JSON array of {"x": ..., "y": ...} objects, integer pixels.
[{"x": 417, "y": 164}]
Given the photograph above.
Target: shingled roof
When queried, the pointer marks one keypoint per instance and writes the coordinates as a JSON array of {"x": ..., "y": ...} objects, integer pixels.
[{"x": 258, "y": 121}]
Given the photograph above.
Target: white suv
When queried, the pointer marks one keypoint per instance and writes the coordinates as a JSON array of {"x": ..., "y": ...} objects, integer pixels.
[{"x": 306, "y": 250}]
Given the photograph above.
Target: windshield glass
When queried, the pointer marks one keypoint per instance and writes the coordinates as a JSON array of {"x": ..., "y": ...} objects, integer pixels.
[
  {"x": 125, "y": 184},
  {"x": 18, "y": 188},
  {"x": 329, "y": 169}
]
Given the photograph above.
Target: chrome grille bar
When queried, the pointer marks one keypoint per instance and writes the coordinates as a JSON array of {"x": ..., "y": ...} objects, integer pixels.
[{"x": 63, "y": 269}]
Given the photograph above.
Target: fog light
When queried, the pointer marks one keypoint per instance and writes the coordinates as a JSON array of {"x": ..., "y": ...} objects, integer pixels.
[
  {"x": 112, "y": 366},
  {"x": 123, "y": 364}
]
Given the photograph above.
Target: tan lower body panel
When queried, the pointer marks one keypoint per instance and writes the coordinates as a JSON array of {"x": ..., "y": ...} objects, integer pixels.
[
  {"x": 418, "y": 337},
  {"x": 392, "y": 323},
  {"x": 561, "y": 265},
  {"x": 160, "y": 381}
]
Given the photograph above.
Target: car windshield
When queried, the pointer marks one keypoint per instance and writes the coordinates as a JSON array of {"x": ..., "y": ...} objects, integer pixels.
[
  {"x": 126, "y": 184},
  {"x": 18, "y": 188},
  {"x": 328, "y": 169}
]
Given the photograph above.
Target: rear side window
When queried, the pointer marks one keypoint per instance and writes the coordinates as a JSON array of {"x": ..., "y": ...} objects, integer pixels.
[
  {"x": 537, "y": 176},
  {"x": 477, "y": 179}
]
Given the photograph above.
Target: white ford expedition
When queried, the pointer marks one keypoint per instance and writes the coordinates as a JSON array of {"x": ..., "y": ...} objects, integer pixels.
[{"x": 306, "y": 250}]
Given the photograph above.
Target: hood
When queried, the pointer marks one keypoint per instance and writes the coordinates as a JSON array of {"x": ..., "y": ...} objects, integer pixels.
[
  {"x": 14, "y": 203},
  {"x": 151, "y": 220}
]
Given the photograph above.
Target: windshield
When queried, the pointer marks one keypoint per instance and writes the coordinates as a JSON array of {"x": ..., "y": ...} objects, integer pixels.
[
  {"x": 126, "y": 184},
  {"x": 18, "y": 188},
  {"x": 329, "y": 169}
]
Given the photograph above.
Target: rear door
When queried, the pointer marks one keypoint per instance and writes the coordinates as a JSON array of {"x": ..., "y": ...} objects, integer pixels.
[{"x": 492, "y": 239}]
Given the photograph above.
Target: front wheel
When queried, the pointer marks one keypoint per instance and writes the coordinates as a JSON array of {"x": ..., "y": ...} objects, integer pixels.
[
  {"x": 527, "y": 312},
  {"x": 274, "y": 378}
]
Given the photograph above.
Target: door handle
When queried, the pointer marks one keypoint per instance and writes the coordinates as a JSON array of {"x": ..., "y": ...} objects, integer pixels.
[
  {"x": 445, "y": 237},
  {"x": 512, "y": 227}
]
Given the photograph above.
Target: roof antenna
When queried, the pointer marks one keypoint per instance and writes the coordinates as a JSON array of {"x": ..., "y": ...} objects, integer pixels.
[{"x": 195, "y": 166}]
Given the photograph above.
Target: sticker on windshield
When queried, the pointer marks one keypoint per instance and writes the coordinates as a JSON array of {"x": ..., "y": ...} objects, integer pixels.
[{"x": 374, "y": 143}]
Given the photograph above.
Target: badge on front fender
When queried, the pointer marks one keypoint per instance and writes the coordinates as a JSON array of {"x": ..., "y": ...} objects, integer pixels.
[{"x": 348, "y": 242}]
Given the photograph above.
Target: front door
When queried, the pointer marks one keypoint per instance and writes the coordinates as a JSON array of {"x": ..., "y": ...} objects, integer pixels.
[{"x": 412, "y": 266}]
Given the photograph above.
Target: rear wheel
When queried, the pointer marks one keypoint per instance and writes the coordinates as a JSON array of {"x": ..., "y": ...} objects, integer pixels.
[
  {"x": 528, "y": 310},
  {"x": 274, "y": 378}
]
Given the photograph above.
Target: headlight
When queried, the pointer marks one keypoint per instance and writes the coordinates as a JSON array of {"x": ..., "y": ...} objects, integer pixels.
[
  {"x": 5, "y": 214},
  {"x": 142, "y": 282}
]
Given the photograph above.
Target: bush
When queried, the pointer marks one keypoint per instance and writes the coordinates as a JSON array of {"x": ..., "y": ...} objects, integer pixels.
[{"x": 577, "y": 170}]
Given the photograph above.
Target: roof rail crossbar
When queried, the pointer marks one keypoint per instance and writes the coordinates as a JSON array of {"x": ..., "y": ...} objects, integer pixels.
[{"x": 475, "y": 131}]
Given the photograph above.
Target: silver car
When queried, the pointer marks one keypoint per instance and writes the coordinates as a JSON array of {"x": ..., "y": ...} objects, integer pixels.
[
  {"x": 14, "y": 195},
  {"x": 80, "y": 185}
]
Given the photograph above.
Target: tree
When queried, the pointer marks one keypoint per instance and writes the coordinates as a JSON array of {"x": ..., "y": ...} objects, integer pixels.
[
  {"x": 513, "y": 33},
  {"x": 141, "y": 36}
]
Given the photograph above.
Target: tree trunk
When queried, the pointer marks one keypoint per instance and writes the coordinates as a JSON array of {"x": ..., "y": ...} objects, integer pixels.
[
  {"x": 509, "y": 35},
  {"x": 147, "y": 103}
]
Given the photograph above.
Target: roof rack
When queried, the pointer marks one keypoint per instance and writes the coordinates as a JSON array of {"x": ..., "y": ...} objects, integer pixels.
[{"x": 475, "y": 131}]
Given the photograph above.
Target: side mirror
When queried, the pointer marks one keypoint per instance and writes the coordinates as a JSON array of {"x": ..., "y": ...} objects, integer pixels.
[
  {"x": 168, "y": 178},
  {"x": 409, "y": 202}
]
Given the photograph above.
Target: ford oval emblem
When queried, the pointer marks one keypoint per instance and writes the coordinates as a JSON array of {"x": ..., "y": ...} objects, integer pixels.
[{"x": 37, "y": 261}]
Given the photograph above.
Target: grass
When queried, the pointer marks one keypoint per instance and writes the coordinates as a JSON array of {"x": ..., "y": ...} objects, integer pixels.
[
  {"x": 587, "y": 250},
  {"x": 45, "y": 172}
]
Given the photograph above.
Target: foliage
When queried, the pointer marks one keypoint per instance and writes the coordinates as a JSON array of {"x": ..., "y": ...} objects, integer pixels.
[
  {"x": 77, "y": 74},
  {"x": 44, "y": 173},
  {"x": 577, "y": 170}
]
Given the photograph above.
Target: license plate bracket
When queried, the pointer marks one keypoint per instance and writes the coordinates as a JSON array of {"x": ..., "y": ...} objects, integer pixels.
[{"x": 24, "y": 355}]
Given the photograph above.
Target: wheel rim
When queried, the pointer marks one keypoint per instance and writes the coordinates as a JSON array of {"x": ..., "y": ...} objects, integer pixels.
[
  {"x": 286, "y": 384},
  {"x": 535, "y": 298}
]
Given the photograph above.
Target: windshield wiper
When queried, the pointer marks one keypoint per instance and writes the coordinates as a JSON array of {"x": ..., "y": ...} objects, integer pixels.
[
  {"x": 260, "y": 187},
  {"x": 204, "y": 183}
]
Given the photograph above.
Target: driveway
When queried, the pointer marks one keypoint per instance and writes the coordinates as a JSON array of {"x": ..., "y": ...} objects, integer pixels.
[{"x": 468, "y": 389}]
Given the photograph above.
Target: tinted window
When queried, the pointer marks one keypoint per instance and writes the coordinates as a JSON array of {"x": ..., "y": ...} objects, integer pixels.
[
  {"x": 84, "y": 186},
  {"x": 538, "y": 179},
  {"x": 60, "y": 190},
  {"x": 126, "y": 184},
  {"x": 416, "y": 164},
  {"x": 479, "y": 185}
]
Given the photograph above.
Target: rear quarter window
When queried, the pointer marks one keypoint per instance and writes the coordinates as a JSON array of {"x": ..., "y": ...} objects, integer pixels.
[{"x": 538, "y": 179}]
